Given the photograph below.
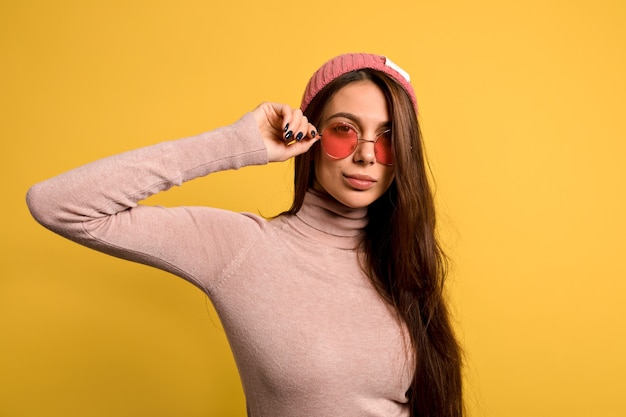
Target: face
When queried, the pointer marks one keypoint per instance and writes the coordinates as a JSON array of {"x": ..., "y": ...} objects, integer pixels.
[{"x": 358, "y": 179}]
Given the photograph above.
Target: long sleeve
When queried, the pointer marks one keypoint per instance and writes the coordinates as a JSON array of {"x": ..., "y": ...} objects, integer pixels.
[
  {"x": 309, "y": 332},
  {"x": 97, "y": 205}
]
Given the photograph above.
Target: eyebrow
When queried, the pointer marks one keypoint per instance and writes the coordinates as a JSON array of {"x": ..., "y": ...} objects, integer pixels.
[{"x": 355, "y": 119}]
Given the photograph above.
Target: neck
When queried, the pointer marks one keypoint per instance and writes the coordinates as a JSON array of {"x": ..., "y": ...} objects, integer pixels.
[{"x": 327, "y": 220}]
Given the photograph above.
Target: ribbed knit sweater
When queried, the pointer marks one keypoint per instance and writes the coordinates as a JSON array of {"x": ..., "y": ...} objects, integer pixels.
[{"x": 310, "y": 335}]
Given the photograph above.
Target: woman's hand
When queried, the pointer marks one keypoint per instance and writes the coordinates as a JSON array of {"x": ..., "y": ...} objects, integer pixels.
[{"x": 285, "y": 131}]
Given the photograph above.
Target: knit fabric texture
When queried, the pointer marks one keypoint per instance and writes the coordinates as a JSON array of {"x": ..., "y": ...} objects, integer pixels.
[
  {"x": 309, "y": 332},
  {"x": 345, "y": 63}
]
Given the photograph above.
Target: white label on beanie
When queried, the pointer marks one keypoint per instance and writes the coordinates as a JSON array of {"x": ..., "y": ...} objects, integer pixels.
[{"x": 393, "y": 65}]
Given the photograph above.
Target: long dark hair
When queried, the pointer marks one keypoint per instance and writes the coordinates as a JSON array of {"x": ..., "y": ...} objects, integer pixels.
[{"x": 403, "y": 257}]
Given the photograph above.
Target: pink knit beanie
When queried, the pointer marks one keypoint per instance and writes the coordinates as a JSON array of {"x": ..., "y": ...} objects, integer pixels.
[{"x": 352, "y": 62}]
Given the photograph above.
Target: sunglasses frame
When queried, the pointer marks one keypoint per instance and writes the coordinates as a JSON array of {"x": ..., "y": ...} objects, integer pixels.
[{"x": 356, "y": 144}]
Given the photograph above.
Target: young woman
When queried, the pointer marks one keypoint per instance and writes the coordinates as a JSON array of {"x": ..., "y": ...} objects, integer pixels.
[{"x": 333, "y": 308}]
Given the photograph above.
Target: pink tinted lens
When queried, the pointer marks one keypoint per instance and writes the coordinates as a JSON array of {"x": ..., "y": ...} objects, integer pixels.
[
  {"x": 383, "y": 149},
  {"x": 338, "y": 141}
]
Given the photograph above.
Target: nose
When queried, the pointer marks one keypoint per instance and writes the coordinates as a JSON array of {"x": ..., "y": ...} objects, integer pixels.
[{"x": 365, "y": 152}]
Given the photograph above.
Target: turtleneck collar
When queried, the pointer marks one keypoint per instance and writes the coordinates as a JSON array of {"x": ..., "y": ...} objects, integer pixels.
[{"x": 326, "y": 220}]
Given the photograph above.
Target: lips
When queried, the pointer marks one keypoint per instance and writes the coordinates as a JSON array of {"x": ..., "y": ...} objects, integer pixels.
[{"x": 359, "y": 182}]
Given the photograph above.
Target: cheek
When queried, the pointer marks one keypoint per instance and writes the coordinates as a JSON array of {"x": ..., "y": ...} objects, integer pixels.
[{"x": 388, "y": 178}]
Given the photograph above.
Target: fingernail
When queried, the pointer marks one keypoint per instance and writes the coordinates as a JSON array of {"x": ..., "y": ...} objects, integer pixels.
[
  {"x": 286, "y": 127},
  {"x": 313, "y": 133},
  {"x": 289, "y": 134},
  {"x": 299, "y": 136}
]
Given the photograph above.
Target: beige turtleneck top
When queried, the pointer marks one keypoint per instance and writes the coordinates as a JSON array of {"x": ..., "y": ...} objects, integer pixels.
[{"x": 309, "y": 333}]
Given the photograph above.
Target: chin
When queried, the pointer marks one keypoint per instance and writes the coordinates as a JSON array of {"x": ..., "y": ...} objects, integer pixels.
[{"x": 354, "y": 199}]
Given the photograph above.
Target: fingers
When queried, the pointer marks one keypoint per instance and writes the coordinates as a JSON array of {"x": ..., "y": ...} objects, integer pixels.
[
  {"x": 286, "y": 132},
  {"x": 294, "y": 148},
  {"x": 296, "y": 126},
  {"x": 283, "y": 121}
]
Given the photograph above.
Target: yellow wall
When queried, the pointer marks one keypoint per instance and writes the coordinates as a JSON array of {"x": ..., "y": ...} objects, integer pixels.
[{"x": 523, "y": 107}]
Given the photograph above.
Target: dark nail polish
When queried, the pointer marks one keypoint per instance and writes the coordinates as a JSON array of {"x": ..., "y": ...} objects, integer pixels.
[
  {"x": 286, "y": 127},
  {"x": 299, "y": 136},
  {"x": 313, "y": 133},
  {"x": 289, "y": 134}
]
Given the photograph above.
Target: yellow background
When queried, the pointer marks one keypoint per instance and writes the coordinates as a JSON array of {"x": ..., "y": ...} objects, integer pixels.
[{"x": 523, "y": 109}]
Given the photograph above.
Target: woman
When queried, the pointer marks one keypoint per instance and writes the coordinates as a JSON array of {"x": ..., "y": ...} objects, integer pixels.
[{"x": 333, "y": 308}]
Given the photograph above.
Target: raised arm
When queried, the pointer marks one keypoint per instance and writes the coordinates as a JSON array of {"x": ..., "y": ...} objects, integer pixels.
[{"x": 97, "y": 205}]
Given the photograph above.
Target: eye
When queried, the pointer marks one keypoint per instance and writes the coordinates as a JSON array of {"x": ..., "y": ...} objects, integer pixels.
[
  {"x": 385, "y": 135},
  {"x": 343, "y": 129}
]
